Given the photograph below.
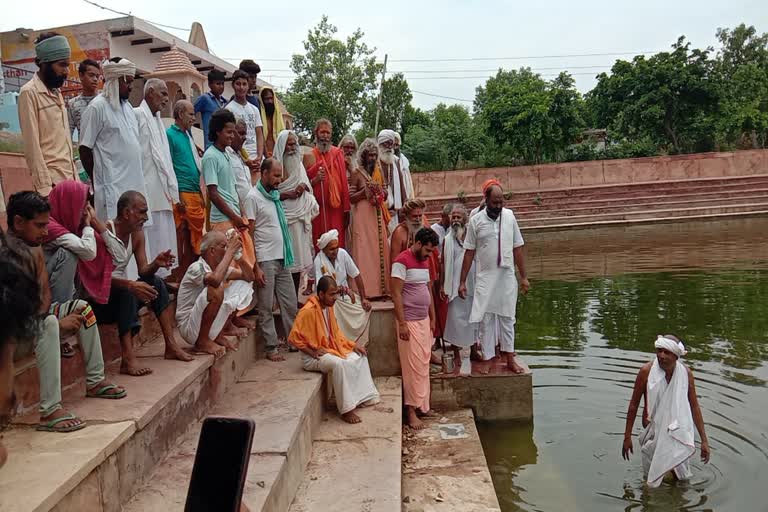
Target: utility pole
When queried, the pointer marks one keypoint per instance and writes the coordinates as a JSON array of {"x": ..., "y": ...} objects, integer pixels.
[{"x": 381, "y": 93}]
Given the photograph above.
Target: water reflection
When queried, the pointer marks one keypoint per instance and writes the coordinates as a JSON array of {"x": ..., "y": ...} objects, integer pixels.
[{"x": 586, "y": 330}]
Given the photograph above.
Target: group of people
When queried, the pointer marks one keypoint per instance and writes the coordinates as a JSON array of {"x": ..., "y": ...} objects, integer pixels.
[{"x": 236, "y": 227}]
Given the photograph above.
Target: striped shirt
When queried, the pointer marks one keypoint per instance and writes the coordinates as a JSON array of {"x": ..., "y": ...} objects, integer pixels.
[{"x": 415, "y": 274}]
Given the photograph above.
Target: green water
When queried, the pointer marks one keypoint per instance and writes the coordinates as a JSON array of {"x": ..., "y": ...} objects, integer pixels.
[{"x": 599, "y": 301}]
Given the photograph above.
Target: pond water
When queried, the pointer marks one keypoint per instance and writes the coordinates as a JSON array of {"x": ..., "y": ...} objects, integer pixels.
[{"x": 599, "y": 300}]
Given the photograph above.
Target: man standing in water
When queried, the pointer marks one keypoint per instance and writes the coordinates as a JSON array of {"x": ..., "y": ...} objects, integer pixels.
[{"x": 671, "y": 409}]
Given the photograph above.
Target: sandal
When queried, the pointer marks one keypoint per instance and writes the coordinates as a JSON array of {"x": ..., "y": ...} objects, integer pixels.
[
  {"x": 104, "y": 392},
  {"x": 67, "y": 350},
  {"x": 50, "y": 426}
]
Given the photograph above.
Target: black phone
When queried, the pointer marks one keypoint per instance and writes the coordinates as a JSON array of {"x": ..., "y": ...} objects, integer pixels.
[{"x": 221, "y": 465}]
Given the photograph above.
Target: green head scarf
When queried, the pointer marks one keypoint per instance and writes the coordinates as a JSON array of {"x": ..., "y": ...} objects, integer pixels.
[{"x": 53, "y": 49}]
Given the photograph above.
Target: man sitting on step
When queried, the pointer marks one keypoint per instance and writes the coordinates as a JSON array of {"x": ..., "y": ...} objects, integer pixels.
[
  {"x": 326, "y": 349},
  {"x": 212, "y": 294},
  {"x": 28, "y": 215}
]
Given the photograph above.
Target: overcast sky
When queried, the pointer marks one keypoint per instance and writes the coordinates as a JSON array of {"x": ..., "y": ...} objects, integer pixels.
[{"x": 428, "y": 29}]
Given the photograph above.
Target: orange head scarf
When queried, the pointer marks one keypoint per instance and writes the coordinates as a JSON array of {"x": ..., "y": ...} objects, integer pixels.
[{"x": 489, "y": 183}]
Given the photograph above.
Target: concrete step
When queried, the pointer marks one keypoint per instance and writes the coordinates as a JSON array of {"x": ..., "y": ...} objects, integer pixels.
[
  {"x": 357, "y": 467},
  {"x": 285, "y": 402},
  {"x": 101, "y": 466}
]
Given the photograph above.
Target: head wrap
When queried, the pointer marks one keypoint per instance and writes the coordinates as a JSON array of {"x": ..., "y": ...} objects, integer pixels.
[
  {"x": 53, "y": 49},
  {"x": 278, "y": 124},
  {"x": 489, "y": 183},
  {"x": 113, "y": 71},
  {"x": 327, "y": 238},
  {"x": 398, "y": 139},
  {"x": 216, "y": 76},
  {"x": 386, "y": 135},
  {"x": 676, "y": 347}
]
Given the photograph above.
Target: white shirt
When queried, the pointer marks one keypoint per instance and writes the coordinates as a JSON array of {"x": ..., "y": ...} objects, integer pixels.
[
  {"x": 495, "y": 286},
  {"x": 156, "y": 161},
  {"x": 267, "y": 235},
  {"x": 440, "y": 230},
  {"x": 252, "y": 118},
  {"x": 343, "y": 268},
  {"x": 242, "y": 175},
  {"x": 121, "y": 253},
  {"x": 113, "y": 135},
  {"x": 84, "y": 247},
  {"x": 191, "y": 286}
]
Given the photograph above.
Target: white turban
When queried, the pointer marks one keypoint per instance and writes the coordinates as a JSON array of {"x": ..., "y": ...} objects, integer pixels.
[
  {"x": 113, "y": 71},
  {"x": 386, "y": 135},
  {"x": 328, "y": 238},
  {"x": 397, "y": 138},
  {"x": 676, "y": 347}
]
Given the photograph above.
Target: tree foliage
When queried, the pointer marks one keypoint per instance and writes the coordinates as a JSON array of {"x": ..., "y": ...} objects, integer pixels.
[
  {"x": 335, "y": 79},
  {"x": 396, "y": 96}
]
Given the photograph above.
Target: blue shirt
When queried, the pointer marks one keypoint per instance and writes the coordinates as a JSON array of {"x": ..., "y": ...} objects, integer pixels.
[{"x": 206, "y": 105}]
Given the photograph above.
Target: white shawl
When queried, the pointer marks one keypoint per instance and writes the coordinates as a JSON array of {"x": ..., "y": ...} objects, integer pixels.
[
  {"x": 450, "y": 288},
  {"x": 305, "y": 208},
  {"x": 161, "y": 151},
  {"x": 667, "y": 443},
  {"x": 507, "y": 234}
]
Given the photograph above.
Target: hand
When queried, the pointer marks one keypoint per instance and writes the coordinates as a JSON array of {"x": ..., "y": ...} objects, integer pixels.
[
  {"x": 432, "y": 324},
  {"x": 305, "y": 187},
  {"x": 291, "y": 194},
  {"x": 360, "y": 349},
  {"x": 463, "y": 290},
  {"x": 89, "y": 214},
  {"x": 165, "y": 259},
  {"x": 233, "y": 244},
  {"x": 319, "y": 353},
  {"x": 403, "y": 333},
  {"x": 260, "y": 280},
  {"x": 181, "y": 207},
  {"x": 299, "y": 190},
  {"x": 525, "y": 285},
  {"x": 366, "y": 304},
  {"x": 144, "y": 292},
  {"x": 240, "y": 224},
  {"x": 321, "y": 174},
  {"x": 70, "y": 324},
  {"x": 626, "y": 449},
  {"x": 443, "y": 296},
  {"x": 705, "y": 452}
]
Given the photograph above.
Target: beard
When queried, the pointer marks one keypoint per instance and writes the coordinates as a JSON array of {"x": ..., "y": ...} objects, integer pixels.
[
  {"x": 458, "y": 230},
  {"x": 51, "y": 79},
  {"x": 413, "y": 226},
  {"x": 292, "y": 165},
  {"x": 269, "y": 108},
  {"x": 323, "y": 147},
  {"x": 387, "y": 156}
]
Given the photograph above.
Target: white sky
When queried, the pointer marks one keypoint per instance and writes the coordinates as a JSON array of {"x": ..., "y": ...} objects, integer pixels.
[{"x": 430, "y": 29}]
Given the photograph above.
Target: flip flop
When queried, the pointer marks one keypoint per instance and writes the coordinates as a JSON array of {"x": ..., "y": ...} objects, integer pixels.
[
  {"x": 103, "y": 392},
  {"x": 67, "y": 350},
  {"x": 50, "y": 426}
]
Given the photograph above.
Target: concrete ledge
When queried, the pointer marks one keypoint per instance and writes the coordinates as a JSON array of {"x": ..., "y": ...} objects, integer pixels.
[
  {"x": 447, "y": 475},
  {"x": 125, "y": 439},
  {"x": 382, "y": 345},
  {"x": 357, "y": 467}
]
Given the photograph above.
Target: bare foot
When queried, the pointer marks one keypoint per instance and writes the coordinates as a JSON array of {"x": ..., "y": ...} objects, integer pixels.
[
  {"x": 173, "y": 351},
  {"x": 239, "y": 321},
  {"x": 308, "y": 290},
  {"x": 484, "y": 367},
  {"x": 428, "y": 414},
  {"x": 413, "y": 420},
  {"x": 226, "y": 343},
  {"x": 351, "y": 417},
  {"x": 132, "y": 368},
  {"x": 206, "y": 346},
  {"x": 513, "y": 366},
  {"x": 275, "y": 357},
  {"x": 473, "y": 354},
  {"x": 231, "y": 330}
]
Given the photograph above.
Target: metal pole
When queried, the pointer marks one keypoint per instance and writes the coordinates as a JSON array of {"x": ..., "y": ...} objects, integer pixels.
[{"x": 381, "y": 93}]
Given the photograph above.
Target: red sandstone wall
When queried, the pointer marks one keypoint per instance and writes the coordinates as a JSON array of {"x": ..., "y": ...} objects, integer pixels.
[{"x": 594, "y": 173}]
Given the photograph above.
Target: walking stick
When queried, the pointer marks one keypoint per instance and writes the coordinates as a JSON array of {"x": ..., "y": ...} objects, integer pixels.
[{"x": 322, "y": 196}]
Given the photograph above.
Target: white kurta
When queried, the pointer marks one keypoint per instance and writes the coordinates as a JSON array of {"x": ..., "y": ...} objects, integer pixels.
[
  {"x": 458, "y": 329},
  {"x": 495, "y": 284},
  {"x": 353, "y": 320},
  {"x": 667, "y": 442}
]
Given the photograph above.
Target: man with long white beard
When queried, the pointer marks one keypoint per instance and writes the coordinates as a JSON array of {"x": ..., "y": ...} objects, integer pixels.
[
  {"x": 459, "y": 331},
  {"x": 399, "y": 188},
  {"x": 159, "y": 176},
  {"x": 405, "y": 165},
  {"x": 299, "y": 204}
]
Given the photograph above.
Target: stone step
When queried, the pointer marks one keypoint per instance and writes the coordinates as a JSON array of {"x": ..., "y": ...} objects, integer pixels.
[
  {"x": 101, "y": 466},
  {"x": 357, "y": 467},
  {"x": 285, "y": 402}
]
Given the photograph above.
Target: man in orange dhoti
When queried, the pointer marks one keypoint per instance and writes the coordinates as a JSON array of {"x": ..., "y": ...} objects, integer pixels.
[
  {"x": 370, "y": 236},
  {"x": 327, "y": 171},
  {"x": 415, "y": 314},
  {"x": 326, "y": 349}
]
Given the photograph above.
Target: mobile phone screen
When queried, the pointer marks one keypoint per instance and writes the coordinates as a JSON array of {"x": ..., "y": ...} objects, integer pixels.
[{"x": 221, "y": 465}]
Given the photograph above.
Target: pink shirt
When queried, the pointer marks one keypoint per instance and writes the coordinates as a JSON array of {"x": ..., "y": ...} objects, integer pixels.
[{"x": 415, "y": 274}]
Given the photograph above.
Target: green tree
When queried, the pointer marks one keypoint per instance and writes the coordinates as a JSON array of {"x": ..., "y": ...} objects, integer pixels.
[
  {"x": 396, "y": 96},
  {"x": 669, "y": 98},
  {"x": 335, "y": 79}
]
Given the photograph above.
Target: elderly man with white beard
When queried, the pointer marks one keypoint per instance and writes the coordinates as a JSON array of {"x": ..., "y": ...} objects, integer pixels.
[
  {"x": 459, "y": 331},
  {"x": 405, "y": 166},
  {"x": 399, "y": 187},
  {"x": 159, "y": 175},
  {"x": 299, "y": 204}
]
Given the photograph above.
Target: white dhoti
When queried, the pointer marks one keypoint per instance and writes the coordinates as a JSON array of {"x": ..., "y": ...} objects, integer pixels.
[
  {"x": 458, "y": 329},
  {"x": 353, "y": 320},
  {"x": 237, "y": 296},
  {"x": 161, "y": 237},
  {"x": 667, "y": 443},
  {"x": 351, "y": 378},
  {"x": 301, "y": 240},
  {"x": 496, "y": 330}
]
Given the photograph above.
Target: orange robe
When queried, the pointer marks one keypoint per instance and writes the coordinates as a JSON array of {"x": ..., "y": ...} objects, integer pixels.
[
  {"x": 309, "y": 331},
  {"x": 332, "y": 194}
]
